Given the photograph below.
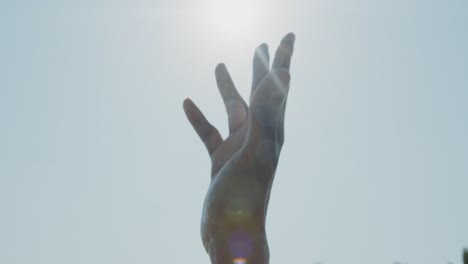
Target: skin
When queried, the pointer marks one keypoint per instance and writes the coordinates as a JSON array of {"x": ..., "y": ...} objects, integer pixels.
[{"x": 243, "y": 165}]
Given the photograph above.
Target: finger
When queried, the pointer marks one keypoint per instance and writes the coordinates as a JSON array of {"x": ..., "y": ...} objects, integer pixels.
[
  {"x": 236, "y": 108},
  {"x": 261, "y": 66},
  {"x": 281, "y": 117},
  {"x": 207, "y": 132},
  {"x": 284, "y": 52},
  {"x": 280, "y": 122},
  {"x": 283, "y": 60},
  {"x": 265, "y": 106}
]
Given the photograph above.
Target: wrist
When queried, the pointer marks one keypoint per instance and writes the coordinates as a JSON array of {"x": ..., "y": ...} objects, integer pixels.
[{"x": 239, "y": 248}]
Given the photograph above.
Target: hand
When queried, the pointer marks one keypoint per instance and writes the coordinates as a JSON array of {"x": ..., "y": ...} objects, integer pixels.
[{"x": 243, "y": 165}]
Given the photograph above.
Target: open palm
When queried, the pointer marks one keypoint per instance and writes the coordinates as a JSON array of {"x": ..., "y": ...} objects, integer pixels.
[{"x": 244, "y": 164}]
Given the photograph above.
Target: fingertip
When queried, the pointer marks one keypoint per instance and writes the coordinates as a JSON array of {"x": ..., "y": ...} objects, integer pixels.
[
  {"x": 220, "y": 67},
  {"x": 290, "y": 38},
  {"x": 191, "y": 110},
  {"x": 262, "y": 46},
  {"x": 186, "y": 103},
  {"x": 222, "y": 74}
]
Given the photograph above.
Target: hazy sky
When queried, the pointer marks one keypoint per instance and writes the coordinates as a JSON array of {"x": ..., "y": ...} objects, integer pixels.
[{"x": 99, "y": 165}]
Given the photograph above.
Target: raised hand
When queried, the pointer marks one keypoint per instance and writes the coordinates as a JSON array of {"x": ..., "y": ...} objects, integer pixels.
[{"x": 244, "y": 164}]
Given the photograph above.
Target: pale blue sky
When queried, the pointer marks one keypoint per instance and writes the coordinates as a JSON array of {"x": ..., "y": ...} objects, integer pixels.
[{"x": 99, "y": 165}]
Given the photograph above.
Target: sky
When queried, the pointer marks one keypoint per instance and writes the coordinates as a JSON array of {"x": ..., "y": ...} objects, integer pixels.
[{"x": 98, "y": 163}]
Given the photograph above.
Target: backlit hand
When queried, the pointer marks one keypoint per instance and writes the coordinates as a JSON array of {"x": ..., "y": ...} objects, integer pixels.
[{"x": 244, "y": 164}]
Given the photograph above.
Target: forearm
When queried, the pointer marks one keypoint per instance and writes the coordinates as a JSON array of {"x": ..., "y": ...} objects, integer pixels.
[{"x": 233, "y": 226}]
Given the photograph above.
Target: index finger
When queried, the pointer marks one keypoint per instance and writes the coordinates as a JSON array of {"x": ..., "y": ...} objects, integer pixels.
[{"x": 284, "y": 52}]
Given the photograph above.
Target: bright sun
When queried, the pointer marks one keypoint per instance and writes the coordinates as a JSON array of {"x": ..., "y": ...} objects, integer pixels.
[{"x": 232, "y": 17}]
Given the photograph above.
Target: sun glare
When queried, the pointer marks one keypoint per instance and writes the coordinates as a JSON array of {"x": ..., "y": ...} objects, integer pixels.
[
  {"x": 239, "y": 261},
  {"x": 232, "y": 17}
]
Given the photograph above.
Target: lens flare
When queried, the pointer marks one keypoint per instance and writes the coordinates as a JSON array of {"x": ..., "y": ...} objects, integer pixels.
[
  {"x": 240, "y": 244},
  {"x": 238, "y": 210},
  {"x": 239, "y": 261}
]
